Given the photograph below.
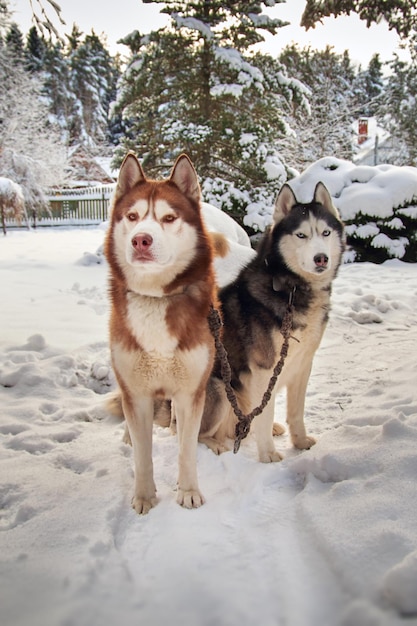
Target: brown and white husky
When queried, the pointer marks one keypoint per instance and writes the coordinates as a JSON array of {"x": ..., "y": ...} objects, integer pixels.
[{"x": 162, "y": 285}]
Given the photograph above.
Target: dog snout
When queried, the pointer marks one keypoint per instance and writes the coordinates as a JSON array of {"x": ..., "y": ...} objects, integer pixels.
[
  {"x": 321, "y": 260},
  {"x": 142, "y": 242}
]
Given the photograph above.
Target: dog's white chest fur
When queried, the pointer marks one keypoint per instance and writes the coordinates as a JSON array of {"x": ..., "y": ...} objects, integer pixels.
[
  {"x": 147, "y": 321},
  {"x": 159, "y": 364}
]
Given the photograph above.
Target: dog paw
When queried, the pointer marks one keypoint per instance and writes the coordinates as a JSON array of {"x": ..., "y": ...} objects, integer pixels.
[
  {"x": 191, "y": 499},
  {"x": 270, "y": 457},
  {"x": 126, "y": 437},
  {"x": 219, "y": 448},
  {"x": 142, "y": 506},
  {"x": 277, "y": 429},
  {"x": 215, "y": 446},
  {"x": 304, "y": 443}
]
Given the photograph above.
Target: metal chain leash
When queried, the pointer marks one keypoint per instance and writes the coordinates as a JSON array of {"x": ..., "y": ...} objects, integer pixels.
[{"x": 244, "y": 421}]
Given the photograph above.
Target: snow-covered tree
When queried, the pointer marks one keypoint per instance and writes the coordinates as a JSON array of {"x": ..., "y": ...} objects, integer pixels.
[
  {"x": 400, "y": 15},
  {"x": 78, "y": 84},
  {"x": 194, "y": 86},
  {"x": 368, "y": 88},
  {"x": 14, "y": 41},
  {"x": 11, "y": 201},
  {"x": 329, "y": 77},
  {"x": 35, "y": 50},
  {"x": 31, "y": 152},
  {"x": 398, "y": 110},
  {"x": 56, "y": 90},
  {"x": 93, "y": 77}
]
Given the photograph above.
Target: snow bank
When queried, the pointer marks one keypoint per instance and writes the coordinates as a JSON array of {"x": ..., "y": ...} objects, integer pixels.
[{"x": 371, "y": 190}]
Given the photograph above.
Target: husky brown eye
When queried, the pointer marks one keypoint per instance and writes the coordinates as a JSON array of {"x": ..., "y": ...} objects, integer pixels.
[
  {"x": 132, "y": 217},
  {"x": 168, "y": 219}
]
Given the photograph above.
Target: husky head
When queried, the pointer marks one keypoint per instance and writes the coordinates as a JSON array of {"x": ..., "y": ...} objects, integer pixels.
[
  {"x": 156, "y": 226},
  {"x": 310, "y": 237}
]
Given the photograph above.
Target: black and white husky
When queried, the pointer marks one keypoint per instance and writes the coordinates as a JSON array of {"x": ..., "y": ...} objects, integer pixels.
[{"x": 298, "y": 258}]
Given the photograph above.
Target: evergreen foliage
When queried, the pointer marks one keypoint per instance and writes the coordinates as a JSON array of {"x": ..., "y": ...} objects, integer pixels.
[
  {"x": 194, "y": 87},
  {"x": 398, "y": 110},
  {"x": 368, "y": 87},
  {"x": 35, "y": 50},
  {"x": 14, "y": 42},
  {"x": 400, "y": 15},
  {"x": 93, "y": 75},
  {"x": 329, "y": 78}
]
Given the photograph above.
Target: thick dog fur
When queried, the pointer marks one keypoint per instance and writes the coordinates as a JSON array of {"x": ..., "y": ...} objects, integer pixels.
[
  {"x": 300, "y": 255},
  {"x": 161, "y": 287}
]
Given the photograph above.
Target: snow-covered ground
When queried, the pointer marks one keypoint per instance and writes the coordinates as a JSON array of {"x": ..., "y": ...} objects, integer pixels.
[{"x": 328, "y": 537}]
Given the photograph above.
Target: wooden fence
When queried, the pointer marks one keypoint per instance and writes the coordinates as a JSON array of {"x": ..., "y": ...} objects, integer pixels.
[{"x": 70, "y": 207}]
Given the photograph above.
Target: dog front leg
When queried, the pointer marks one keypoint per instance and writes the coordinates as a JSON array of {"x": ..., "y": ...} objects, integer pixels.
[
  {"x": 263, "y": 426},
  {"x": 188, "y": 412},
  {"x": 139, "y": 418},
  {"x": 296, "y": 393}
]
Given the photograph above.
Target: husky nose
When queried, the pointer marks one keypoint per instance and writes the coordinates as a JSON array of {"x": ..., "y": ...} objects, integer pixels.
[
  {"x": 142, "y": 242},
  {"x": 321, "y": 260}
]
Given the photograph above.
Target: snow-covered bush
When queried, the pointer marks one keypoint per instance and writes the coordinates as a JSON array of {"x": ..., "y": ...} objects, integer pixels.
[
  {"x": 252, "y": 208},
  {"x": 378, "y": 205},
  {"x": 12, "y": 202}
]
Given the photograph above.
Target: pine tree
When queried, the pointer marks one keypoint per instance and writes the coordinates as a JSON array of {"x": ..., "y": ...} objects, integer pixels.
[
  {"x": 14, "y": 41},
  {"x": 399, "y": 111},
  {"x": 74, "y": 39},
  {"x": 56, "y": 88},
  {"x": 35, "y": 50},
  {"x": 330, "y": 78},
  {"x": 400, "y": 15},
  {"x": 195, "y": 87},
  {"x": 368, "y": 88},
  {"x": 93, "y": 81},
  {"x": 4, "y": 20}
]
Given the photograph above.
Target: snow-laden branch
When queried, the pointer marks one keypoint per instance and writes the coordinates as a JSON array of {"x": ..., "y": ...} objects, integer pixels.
[
  {"x": 193, "y": 24},
  {"x": 248, "y": 75}
]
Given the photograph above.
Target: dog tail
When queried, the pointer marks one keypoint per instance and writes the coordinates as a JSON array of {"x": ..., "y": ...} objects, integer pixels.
[
  {"x": 162, "y": 409},
  {"x": 114, "y": 404}
]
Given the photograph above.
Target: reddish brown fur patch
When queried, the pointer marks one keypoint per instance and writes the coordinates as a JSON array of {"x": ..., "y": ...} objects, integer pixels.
[
  {"x": 118, "y": 329},
  {"x": 188, "y": 312},
  {"x": 220, "y": 244}
]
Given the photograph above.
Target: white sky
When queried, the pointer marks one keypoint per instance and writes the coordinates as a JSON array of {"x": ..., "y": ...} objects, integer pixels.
[{"x": 117, "y": 18}]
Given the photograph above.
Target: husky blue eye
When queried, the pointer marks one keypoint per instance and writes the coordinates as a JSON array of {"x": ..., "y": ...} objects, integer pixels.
[
  {"x": 301, "y": 235},
  {"x": 326, "y": 233}
]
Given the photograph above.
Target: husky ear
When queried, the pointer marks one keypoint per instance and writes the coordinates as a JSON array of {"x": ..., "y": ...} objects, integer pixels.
[
  {"x": 130, "y": 174},
  {"x": 322, "y": 196},
  {"x": 284, "y": 203},
  {"x": 185, "y": 177}
]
